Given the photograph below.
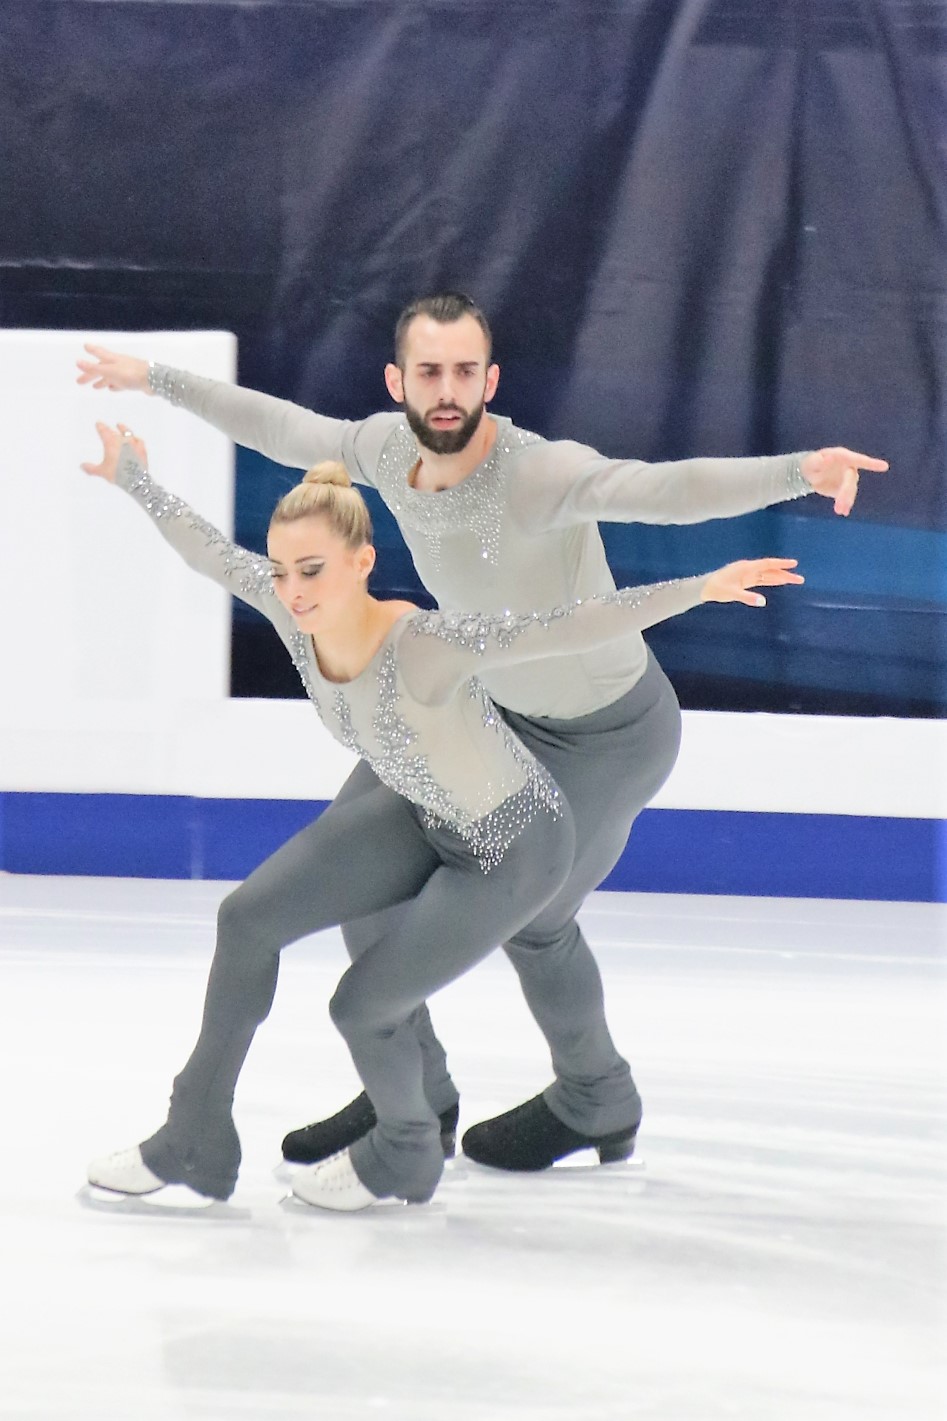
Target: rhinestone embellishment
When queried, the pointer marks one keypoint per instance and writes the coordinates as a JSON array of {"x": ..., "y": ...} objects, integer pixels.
[
  {"x": 472, "y": 632},
  {"x": 797, "y": 486},
  {"x": 252, "y": 573},
  {"x": 474, "y": 505},
  {"x": 398, "y": 765},
  {"x": 166, "y": 382}
]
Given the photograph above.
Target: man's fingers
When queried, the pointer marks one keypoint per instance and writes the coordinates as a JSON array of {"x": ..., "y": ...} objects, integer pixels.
[
  {"x": 773, "y": 572},
  {"x": 92, "y": 369},
  {"x": 845, "y": 498},
  {"x": 863, "y": 461},
  {"x": 829, "y": 469}
]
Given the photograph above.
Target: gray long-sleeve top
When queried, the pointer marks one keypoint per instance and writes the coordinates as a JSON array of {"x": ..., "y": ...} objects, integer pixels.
[
  {"x": 519, "y": 532},
  {"x": 418, "y": 712}
]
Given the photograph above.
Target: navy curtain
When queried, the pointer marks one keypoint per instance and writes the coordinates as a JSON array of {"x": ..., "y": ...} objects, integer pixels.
[{"x": 706, "y": 227}]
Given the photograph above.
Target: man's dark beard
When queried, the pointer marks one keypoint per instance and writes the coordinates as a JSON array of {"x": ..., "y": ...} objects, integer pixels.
[{"x": 443, "y": 441}]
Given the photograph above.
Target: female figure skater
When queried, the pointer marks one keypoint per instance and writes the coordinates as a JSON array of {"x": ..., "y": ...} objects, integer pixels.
[{"x": 465, "y": 827}]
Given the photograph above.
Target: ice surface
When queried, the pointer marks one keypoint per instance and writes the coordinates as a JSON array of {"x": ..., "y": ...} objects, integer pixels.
[{"x": 780, "y": 1256}]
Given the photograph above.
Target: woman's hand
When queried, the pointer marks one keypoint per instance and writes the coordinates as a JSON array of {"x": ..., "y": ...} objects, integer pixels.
[
  {"x": 834, "y": 474},
  {"x": 732, "y": 583},
  {"x": 107, "y": 370},
  {"x": 112, "y": 441}
]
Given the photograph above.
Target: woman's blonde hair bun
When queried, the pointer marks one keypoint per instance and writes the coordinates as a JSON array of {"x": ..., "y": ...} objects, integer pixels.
[
  {"x": 326, "y": 491},
  {"x": 330, "y": 471}
]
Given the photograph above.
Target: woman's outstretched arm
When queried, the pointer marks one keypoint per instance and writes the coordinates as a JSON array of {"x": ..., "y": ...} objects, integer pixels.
[
  {"x": 203, "y": 547},
  {"x": 441, "y": 650}
]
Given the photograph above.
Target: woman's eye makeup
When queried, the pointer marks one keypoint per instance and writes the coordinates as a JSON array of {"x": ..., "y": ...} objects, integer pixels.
[{"x": 310, "y": 570}]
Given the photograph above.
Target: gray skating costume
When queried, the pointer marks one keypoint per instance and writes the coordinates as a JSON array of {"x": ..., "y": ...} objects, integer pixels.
[
  {"x": 521, "y": 532},
  {"x": 463, "y": 825}
]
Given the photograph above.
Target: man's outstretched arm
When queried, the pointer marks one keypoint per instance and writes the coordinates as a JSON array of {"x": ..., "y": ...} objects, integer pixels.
[
  {"x": 561, "y": 483},
  {"x": 285, "y": 432}
]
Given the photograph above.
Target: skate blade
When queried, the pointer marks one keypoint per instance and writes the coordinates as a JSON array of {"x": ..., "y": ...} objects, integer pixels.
[
  {"x": 172, "y": 1201},
  {"x": 582, "y": 1164},
  {"x": 388, "y": 1209}
]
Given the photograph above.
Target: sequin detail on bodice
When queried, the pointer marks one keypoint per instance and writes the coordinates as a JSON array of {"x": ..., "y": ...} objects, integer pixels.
[
  {"x": 476, "y": 504},
  {"x": 540, "y": 794},
  {"x": 299, "y": 644},
  {"x": 399, "y": 765}
]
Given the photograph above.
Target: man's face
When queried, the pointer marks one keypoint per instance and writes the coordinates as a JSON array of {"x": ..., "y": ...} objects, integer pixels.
[{"x": 444, "y": 382}]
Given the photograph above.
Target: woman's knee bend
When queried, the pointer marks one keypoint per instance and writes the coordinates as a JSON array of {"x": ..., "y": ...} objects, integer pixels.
[{"x": 240, "y": 917}]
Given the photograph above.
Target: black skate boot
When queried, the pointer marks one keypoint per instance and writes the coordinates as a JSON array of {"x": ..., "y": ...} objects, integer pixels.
[
  {"x": 530, "y": 1137},
  {"x": 323, "y": 1138}
]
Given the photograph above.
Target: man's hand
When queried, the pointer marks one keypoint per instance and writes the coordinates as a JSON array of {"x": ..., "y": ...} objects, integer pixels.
[
  {"x": 732, "y": 583},
  {"x": 112, "y": 440},
  {"x": 834, "y": 474},
  {"x": 107, "y": 370}
]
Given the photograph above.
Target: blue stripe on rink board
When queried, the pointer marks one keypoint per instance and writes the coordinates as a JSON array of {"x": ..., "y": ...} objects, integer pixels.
[{"x": 670, "y": 851}]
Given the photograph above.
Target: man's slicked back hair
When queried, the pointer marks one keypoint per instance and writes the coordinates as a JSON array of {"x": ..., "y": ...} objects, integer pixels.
[{"x": 445, "y": 307}]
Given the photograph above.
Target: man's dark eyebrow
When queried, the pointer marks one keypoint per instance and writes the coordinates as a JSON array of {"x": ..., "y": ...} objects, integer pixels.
[{"x": 459, "y": 364}]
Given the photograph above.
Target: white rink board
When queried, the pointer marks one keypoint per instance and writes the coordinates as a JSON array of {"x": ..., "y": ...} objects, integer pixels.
[
  {"x": 102, "y": 612},
  {"x": 279, "y": 750}
]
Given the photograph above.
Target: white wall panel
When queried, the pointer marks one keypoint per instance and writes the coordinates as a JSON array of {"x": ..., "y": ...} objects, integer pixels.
[{"x": 93, "y": 605}]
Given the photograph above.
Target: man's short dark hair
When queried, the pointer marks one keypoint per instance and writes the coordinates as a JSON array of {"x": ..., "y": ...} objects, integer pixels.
[{"x": 445, "y": 307}]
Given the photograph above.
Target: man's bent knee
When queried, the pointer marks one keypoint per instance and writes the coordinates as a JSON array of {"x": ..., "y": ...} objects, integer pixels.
[{"x": 533, "y": 939}]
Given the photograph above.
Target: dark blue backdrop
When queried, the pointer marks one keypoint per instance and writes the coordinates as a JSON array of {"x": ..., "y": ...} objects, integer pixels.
[{"x": 713, "y": 226}]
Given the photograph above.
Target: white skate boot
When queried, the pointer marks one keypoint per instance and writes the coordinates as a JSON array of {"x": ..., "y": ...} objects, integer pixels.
[
  {"x": 333, "y": 1184},
  {"x": 125, "y": 1172}
]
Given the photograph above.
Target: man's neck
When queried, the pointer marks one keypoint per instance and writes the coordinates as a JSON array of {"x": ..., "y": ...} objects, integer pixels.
[{"x": 440, "y": 471}]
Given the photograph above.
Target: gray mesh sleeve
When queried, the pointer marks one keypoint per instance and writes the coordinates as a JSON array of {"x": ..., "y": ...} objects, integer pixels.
[
  {"x": 203, "y": 547},
  {"x": 560, "y": 484}
]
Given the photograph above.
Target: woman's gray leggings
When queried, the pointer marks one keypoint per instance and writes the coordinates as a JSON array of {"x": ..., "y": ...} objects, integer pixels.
[
  {"x": 365, "y": 854},
  {"x": 608, "y": 765}
]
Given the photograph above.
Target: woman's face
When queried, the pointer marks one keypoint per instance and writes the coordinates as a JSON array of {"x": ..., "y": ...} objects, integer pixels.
[{"x": 318, "y": 579}]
